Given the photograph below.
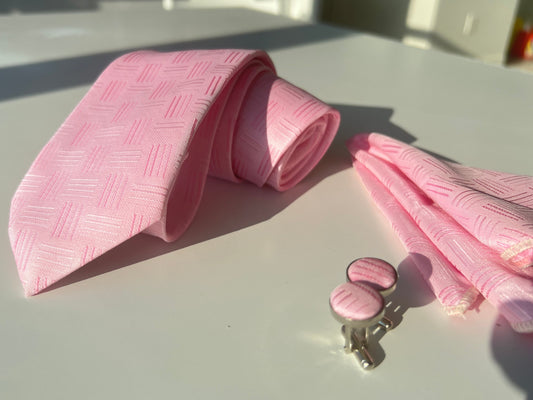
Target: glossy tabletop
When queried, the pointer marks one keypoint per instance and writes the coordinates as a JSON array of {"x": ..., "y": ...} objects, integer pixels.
[{"x": 238, "y": 307}]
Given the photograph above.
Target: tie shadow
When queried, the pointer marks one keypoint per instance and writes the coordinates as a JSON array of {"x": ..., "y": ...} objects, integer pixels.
[
  {"x": 38, "y": 6},
  {"x": 45, "y": 76},
  {"x": 228, "y": 207}
]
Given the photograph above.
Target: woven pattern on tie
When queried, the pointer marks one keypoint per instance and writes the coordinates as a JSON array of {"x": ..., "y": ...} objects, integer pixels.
[
  {"x": 468, "y": 230},
  {"x": 134, "y": 154}
]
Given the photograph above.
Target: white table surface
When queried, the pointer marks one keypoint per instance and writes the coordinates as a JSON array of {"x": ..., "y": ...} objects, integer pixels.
[{"x": 238, "y": 307}]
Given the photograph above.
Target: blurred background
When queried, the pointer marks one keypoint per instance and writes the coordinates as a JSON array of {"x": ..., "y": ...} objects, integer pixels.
[{"x": 493, "y": 31}]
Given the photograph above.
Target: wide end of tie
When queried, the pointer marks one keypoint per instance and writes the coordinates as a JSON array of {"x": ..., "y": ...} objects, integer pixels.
[
  {"x": 40, "y": 264},
  {"x": 134, "y": 154}
]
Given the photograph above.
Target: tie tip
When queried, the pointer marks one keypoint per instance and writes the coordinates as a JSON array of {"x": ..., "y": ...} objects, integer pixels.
[
  {"x": 34, "y": 285},
  {"x": 30, "y": 290}
]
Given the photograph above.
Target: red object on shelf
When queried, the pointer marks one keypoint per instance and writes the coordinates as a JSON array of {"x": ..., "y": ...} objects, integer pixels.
[{"x": 523, "y": 44}]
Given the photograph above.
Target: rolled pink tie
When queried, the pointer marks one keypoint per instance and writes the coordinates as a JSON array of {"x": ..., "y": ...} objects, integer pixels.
[
  {"x": 134, "y": 154},
  {"x": 468, "y": 230}
]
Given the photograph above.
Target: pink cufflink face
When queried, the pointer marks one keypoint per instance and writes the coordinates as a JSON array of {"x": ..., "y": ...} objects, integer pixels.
[
  {"x": 356, "y": 304},
  {"x": 373, "y": 272}
]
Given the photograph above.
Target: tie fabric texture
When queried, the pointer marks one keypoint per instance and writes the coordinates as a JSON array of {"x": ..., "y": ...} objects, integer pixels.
[
  {"x": 469, "y": 231},
  {"x": 134, "y": 154}
]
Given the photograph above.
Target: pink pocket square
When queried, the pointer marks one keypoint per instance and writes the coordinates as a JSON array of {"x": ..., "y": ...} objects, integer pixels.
[{"x": 468, "y": 230}]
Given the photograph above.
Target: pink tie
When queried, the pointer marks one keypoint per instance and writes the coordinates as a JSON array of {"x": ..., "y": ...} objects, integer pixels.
[
  {"x": 134, "y": 154},
  {"x": 468, "y": 230}
]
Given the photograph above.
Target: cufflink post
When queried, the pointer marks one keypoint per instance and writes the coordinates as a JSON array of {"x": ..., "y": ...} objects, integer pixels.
[
  {"x": 358, "y": 307},
  {"x": 359, "y": 347}
]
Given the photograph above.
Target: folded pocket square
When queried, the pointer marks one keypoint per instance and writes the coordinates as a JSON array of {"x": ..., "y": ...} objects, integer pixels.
[{"x": 468, "y": 230}]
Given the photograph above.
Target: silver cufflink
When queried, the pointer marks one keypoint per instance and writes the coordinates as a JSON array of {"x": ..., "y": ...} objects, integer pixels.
[{"x": 359, "y": 304}]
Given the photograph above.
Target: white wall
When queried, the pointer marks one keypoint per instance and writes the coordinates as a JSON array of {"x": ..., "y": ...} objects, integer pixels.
[
  {"x": 420, "y": 21},
  {"x": 475, "y": 28},
  {"x": 306, "y": 10}
]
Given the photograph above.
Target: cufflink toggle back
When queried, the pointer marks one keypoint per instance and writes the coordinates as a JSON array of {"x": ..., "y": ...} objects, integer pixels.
[{"x": 359, "y": 304}]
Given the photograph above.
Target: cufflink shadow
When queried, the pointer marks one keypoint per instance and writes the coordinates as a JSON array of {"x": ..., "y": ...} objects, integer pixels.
[
  {"x": 228, "y": 207},
  {"x": 411, "y": 292},
  {"x": 514, "y": 353}
]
